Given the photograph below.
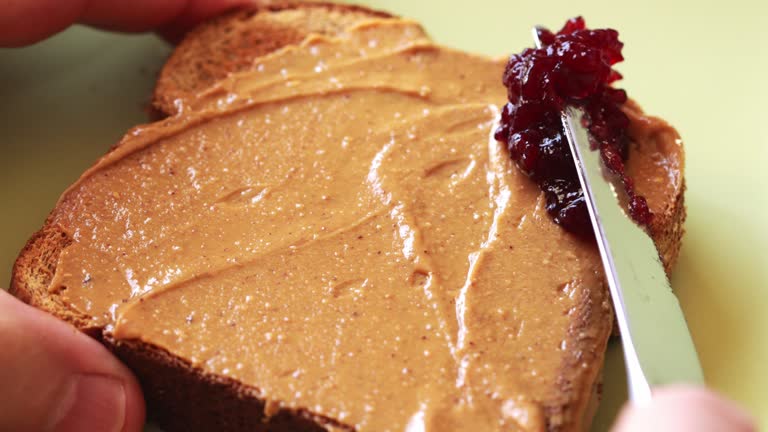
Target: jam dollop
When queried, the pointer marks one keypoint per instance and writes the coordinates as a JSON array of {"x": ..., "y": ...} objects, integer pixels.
[{"x": 573, "y": 67}]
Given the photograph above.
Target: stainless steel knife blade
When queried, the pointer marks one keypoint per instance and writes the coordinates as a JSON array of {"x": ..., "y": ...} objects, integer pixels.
[{"x": 658, "y": 348}]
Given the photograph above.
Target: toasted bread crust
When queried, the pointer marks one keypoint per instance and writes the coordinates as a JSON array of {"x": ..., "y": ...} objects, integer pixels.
[
  {"x": 181, "y": 397},
  {"x": 667, "y": 230}
]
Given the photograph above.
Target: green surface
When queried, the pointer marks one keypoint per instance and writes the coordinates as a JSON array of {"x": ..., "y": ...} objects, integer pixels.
[{"x": 698, "y": 64}]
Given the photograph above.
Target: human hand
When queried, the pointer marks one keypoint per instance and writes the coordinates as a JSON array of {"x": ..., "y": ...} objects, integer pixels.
[
  {"x": 23, "y": 22},
  {"x": 55, "y": 378},
  {"x": 684, "y": 409}
]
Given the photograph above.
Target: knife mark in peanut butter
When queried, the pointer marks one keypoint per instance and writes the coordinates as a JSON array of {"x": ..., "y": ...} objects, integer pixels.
[{"x": 244, "y": 195}]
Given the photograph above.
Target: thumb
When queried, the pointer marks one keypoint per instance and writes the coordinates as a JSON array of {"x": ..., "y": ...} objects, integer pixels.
[
  {"x": 683, "y": 408},
  {"x": 55, "y": 378}
]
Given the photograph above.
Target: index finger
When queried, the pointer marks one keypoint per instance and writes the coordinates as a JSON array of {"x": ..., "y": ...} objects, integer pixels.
[{"x": 23, "y": 22}]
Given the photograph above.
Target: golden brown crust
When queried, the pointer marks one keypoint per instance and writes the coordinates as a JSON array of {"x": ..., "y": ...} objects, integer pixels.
[
  {"x": 181, "y": 397},
  {"x": 34, "y": 269},
  {"x": 667, "y": 230}
]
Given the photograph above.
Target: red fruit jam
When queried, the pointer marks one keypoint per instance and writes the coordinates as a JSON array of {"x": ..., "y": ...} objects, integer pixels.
[{"x": 573, "y": 67}]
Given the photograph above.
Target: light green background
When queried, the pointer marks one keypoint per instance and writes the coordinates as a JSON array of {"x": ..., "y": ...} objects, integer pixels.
[{"x": 701, "y": 65}]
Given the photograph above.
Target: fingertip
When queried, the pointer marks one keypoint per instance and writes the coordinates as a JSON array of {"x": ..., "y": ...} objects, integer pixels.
[
  {"x": 196, "y": 12},
  {"x": 707, "y": 400},
  {"x": 135, "y": 407},
  {"x": 27, "y": 22},
  {"x": 51, "y": 366},
  {"x": 684, "y": 408},
  {"x": 133, "y": 16},
  {"x": 171, "y": 18}
]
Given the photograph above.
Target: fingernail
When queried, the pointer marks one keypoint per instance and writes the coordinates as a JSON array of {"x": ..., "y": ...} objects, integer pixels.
[{"x": 98, "y": 404}]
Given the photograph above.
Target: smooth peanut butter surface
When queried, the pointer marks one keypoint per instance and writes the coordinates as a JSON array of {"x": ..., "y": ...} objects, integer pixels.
[{"x": 338, "y": 229}]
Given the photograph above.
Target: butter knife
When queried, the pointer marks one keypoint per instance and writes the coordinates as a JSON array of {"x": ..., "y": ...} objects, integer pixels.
[{"x": 658, "y": 348}]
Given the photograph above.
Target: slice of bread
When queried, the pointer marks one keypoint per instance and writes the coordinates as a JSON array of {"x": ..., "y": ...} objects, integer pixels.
[{"x": 182, "y": 397}]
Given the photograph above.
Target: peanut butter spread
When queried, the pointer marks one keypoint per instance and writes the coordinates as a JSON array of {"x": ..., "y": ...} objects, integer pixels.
[{"x": 337, "y": 229}]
